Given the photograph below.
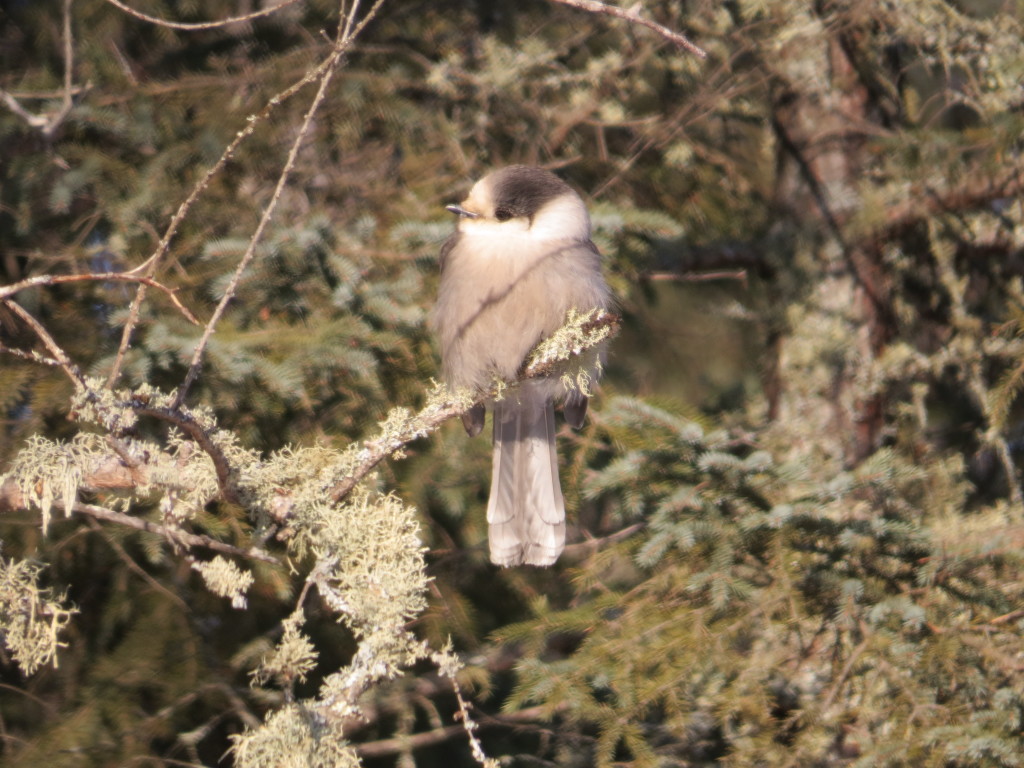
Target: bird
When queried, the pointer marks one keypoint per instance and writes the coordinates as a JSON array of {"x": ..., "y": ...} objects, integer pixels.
[{"x": 520, "y": 258}]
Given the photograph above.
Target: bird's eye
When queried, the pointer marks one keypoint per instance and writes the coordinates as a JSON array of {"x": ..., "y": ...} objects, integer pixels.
[{"x": 502, "y": 214}]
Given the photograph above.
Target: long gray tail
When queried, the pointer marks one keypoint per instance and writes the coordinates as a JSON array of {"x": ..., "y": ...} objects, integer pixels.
[{"x": 526, "y": 511}]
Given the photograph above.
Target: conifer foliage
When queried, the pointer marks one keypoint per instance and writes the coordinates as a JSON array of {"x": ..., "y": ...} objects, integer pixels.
[{"x": 238, "y": 525}]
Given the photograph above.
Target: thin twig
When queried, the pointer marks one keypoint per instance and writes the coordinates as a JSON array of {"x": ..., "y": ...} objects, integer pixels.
[
  {"x": 150, "y": 265},
  {"x": 201, "y": 24},
  {"x": 48, "y": 125},
  {"x": 33, "y": 357},
  {"x": 182, "y": 537},
  {"x": 633, "y": 17},
  {"x": 134, "y": 566},
  {"x": 102, "y": 277},
  {"x": 69, "y": 62},
  {"x": 400, "y": 744},
  {"x": 345, "y": 38},
  {"x": 590, "y": 546},
  {"x": 35, "y": 121},
  {"x": 698, "y": 277},
  {"x": 59, "y": 355}
]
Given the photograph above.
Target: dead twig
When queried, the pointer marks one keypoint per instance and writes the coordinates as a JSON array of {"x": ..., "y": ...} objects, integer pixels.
[
  {"x": 199, "y": 24},
  {"x": 346, "y": 35},
  {"x": 633, "y": 17},
  {"x": 698, "y": 277},
  {"x": 102, "y": 277},
  {"x": 48, "y": 124},
  {"x": 59, "y": 356}
]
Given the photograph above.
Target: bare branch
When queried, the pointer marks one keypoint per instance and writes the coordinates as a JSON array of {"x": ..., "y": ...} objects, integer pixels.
[
  {"x": 58, "y": 354},
  {"x": 32, "y": 357},
  {"x": 589, "y": 546},
  {"x": 133, "y": 566},
  {"x": 102, "y": 277},
  {"x": 632, "y": 16},
  {"x": 150, "y": 265},
  {"x": 402, "y": 744},
  {"x": 48, "y": 125},
  {"x": 202, "y": 24},
  {"x": 699, "y": 277},
  {"x": 36, "y": 121},
  {"x": 69, "y": 61},
  {"x": 345, "y": 38}
]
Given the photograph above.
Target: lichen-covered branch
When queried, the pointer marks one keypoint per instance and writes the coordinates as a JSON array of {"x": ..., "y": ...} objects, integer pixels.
[{"x": 582, "y": 333}]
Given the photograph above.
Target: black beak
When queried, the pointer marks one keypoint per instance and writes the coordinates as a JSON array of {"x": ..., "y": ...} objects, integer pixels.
[{"x": 458, "y": 210}]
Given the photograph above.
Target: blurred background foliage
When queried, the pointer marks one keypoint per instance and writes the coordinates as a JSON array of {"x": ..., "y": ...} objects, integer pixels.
[{"x": 797, "y": 511}]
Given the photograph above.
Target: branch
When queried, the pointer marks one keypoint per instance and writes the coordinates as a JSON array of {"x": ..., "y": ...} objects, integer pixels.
[
  {"x": 69, "y": 60},
  {"x": 345, "y": 37},
  {"x": 972, "y": 195},
  {"x": 202, "y": 24},
  {"x": 112, "y": 474},
  {"x": 590, "y": 546},
  {"x": 402, "y": 744},
  {"x": 633, "y": 17},
  {"x": 225, "y": 475},
  {"x": 49, "y": 125},
  {"x": 59, "y": 356},
  {"x": 443, "y": 405},
  {"x": 175, "y": 535},
  {"x": 699, "y": 277},
  {"x": 102, "y": 277},
  {"x": 35, "y": 121}
]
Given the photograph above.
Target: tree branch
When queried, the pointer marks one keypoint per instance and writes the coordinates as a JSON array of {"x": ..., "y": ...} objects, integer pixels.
[
  {"x": 402, "y": 744},
  {"x": 225, "y": 474},
  {"x": 345, "y": 37},
  {"x": 201, "y": 24},
  {"x": 173, "y": 535},
  {"x": 443, "y": 405},
  {"x": 633, "y": 17},
  {"x": 59, "y": 356},
  {"x": 48, "y": 125},
  {"x": 102, "y": 277}
]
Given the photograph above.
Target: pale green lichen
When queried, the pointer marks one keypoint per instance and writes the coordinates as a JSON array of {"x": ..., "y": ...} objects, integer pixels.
[
  {"x": 370, "y": 565},
  {"x": 294, "y": 736},
  {"x": 31, "y": 618},
  {"x": 47, "y": 471},
  {"x": 574, "y": 352},
  {"x": 292, "y": 659},
  {"x": 226, "y": 579}
]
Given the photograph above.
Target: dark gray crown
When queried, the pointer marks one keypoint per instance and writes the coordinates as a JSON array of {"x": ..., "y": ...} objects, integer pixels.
[{"x": 522, "y": 190}]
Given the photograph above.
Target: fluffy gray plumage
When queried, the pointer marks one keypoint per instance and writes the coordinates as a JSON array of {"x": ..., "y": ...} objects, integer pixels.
[{"x": 521, "y": 257}]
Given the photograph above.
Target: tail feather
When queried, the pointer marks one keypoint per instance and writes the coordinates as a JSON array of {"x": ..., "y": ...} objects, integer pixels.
[{"x": 526, "y": 511}]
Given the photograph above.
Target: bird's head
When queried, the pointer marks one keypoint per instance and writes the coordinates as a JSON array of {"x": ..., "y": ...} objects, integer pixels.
[{"x": 523, "y": 198}]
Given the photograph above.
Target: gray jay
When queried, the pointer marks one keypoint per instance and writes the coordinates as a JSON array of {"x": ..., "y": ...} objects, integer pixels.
[{"x": 520, "y": 258}]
